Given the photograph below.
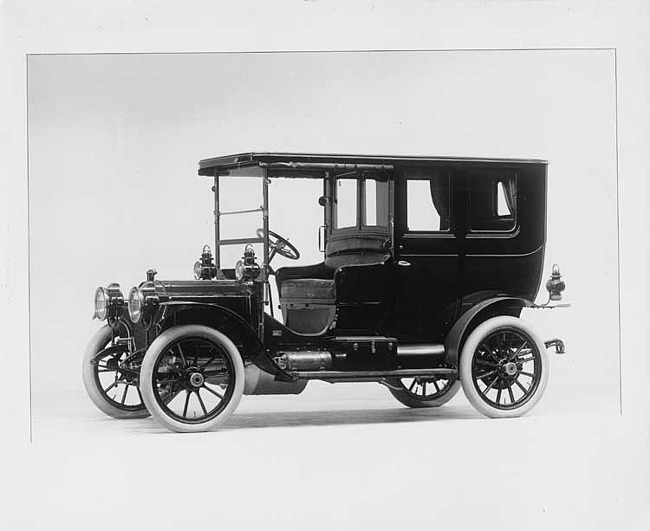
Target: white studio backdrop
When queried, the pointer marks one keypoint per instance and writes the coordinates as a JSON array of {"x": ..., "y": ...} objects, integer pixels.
[{"x": 114, "y": 142}]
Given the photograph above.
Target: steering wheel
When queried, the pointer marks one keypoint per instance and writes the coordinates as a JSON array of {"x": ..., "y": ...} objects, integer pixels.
[{"x": 279, "y": 245}]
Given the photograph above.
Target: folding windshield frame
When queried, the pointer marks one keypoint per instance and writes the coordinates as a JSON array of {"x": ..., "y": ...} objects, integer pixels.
[
  {"x": 244, "y": 172},
  {"x": 328, "y": 172}
]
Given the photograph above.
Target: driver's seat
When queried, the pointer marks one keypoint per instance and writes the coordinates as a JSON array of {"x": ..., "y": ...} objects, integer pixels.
[
  {"x": 309, "y": 289},
  {"x": 308, "y": 293},
  {"x": 308, "y": 304}
]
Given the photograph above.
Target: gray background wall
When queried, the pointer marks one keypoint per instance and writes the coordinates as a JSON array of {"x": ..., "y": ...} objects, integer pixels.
[{"x": 114, "y": 141}]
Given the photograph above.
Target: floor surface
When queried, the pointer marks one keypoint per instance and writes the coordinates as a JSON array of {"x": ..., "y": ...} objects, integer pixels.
[{"x": 70, "y": 415}]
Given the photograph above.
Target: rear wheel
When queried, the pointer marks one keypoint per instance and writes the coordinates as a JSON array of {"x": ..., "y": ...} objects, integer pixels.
[
  {"x": 429, "y": 391},
  {"x": 192, "y": 378},
  {"x": 503, "y": 367},
  {"x": 110, "y": 375}
]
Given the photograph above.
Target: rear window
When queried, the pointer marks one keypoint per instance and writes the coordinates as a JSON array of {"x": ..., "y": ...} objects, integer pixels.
[{"x": 492, "y": 201}]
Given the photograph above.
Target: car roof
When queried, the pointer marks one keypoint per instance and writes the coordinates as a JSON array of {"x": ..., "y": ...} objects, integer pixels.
[{"x": 321, "y": 161}]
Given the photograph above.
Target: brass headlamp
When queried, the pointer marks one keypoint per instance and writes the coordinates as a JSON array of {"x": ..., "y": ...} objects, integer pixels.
[
  {"x": 143, "y": 303},
  {"x": 109, "y": 303}
]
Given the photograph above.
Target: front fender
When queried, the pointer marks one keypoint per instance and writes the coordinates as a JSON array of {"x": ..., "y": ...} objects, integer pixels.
[
  {"x": 223, "y": 320},
  {"x": 501, "y": 305}
]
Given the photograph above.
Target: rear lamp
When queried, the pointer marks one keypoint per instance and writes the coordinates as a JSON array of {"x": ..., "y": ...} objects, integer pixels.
[{"x": 555, "y": 285}]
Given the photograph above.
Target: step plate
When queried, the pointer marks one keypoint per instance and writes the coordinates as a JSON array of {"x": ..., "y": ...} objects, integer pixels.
[{"x": 351, "y": 375}]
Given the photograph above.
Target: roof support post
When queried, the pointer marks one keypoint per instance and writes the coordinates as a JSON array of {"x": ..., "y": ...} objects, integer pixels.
[
  {"x": 265, "y": 221},
  {"x": 217, "y": 246}
]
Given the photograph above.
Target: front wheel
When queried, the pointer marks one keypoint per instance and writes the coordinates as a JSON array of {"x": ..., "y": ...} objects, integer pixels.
[
  {"x": 110, "y": 375},
  {"x": 192, "y": 378},
  {"x": 503, "y": 367}
]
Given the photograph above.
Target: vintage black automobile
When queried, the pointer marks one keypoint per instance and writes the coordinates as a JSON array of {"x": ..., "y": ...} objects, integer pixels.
[{"x": 427, "y": 265}]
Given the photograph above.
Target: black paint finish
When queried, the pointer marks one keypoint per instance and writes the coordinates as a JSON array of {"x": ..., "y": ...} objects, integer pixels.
[{"x": 391, "y": 283}]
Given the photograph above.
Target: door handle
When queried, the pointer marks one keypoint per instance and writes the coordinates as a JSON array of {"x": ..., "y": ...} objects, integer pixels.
[
  {"x": 403, "y": 263},
  {"x": 321, "y": 238}
]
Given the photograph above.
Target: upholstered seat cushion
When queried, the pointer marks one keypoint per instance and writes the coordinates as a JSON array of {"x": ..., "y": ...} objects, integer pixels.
[{"x": 319, "y": 290}]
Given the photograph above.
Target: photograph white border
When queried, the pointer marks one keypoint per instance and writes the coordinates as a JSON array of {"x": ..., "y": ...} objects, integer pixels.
[{"x": 586, "y": 474}]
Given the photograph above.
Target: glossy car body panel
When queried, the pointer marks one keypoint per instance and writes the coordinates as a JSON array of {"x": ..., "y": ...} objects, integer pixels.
[{"x": 390, "y": 282}]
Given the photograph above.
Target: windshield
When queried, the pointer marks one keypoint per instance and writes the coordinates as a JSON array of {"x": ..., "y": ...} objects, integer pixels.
[{"x": 241, "y": 201}]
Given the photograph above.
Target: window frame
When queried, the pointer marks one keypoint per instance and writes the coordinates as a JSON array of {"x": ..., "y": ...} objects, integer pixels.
[
  {"x": 361, "y": 214},
  {"x": 449, "y": 231},
  {"x": 335, "y": 216},
  {"x": 503, "y": 233}
]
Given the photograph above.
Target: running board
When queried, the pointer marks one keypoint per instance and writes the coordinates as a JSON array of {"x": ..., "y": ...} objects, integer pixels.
[
  {"x": 386, "y": 345},
  {"x": 372, "y": 375}
]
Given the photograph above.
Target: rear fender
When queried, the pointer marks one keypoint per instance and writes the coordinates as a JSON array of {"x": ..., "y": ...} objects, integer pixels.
[{"x": 502, "y": 305}]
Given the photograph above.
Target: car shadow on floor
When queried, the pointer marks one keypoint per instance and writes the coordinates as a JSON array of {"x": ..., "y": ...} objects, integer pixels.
[{"x": 243, "y": 420}]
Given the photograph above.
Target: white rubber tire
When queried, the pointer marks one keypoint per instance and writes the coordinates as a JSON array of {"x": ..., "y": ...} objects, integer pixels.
[
  {"x": 410, "y": 401},
  {"x": 467, "y": 356},
  {"x": 159, "y": 347},
  {"x": 98, "y": 397}
]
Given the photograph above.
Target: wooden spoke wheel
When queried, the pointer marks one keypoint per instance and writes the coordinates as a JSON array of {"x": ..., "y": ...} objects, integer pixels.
[
  {"x": 111, "y": 375},
  {"x": 424, "y": 391},
  {"x": 192, "y": 378},
  {"x": 503, "y": 367}
]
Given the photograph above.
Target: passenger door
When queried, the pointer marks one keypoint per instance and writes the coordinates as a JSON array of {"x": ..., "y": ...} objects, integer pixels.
[
  {"x": 356, "y": 251},
  {"x": 426, "y": 268}
]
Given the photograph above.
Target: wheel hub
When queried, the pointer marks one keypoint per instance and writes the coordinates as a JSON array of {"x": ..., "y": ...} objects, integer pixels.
[
  {"x": 196, "y": 379},
  {"x": 510, "y": 368}
]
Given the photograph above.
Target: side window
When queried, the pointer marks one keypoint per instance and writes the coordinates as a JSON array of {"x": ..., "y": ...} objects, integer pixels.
[
  {"x": 492, "y": 204},
  {"x": 371, "y": 202},
  {"x": 502, "y": 201},
  {"x": 428, "y": 205},
  {"x": 361, "y": 203},
  {"x": 376, "y": 203},
  {"x": 346, "y": 203}
]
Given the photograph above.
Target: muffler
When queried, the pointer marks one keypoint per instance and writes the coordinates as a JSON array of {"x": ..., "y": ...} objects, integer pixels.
[{"x": 304, "y": 360}]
